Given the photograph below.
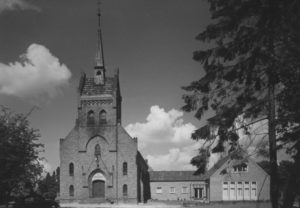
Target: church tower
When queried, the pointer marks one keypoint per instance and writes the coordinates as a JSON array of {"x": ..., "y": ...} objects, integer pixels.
[
  {"x": 99, "y": 161},
  {"x": 99, "y": 97}
]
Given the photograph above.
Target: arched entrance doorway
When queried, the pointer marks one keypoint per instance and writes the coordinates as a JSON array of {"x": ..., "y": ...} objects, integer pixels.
[
  {"x": 97, "y": 185},
  {"x": 98, "y": 189}
]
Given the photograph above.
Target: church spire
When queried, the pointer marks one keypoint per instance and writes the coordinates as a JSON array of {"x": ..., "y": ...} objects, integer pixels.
[
  {"x": 99, "y": 72},
  {"x": 99, "y": 54}
]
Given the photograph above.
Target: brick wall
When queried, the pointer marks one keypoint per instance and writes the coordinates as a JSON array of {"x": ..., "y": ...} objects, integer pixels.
[
  {"x": 116, "y": 146},
  {"x": 78, "y": 148},
  {"x": 254, "y": 173},
  {"x": 178, "y": 185},
  {"x": 127, "y": 148}
]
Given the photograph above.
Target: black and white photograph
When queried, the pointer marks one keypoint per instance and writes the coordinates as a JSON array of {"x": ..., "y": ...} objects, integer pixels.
[{"x": 149, "y": 103}]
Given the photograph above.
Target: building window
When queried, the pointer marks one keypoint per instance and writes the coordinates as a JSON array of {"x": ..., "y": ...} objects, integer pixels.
[
  {"x": 159, "y": 190},
  {"x": 225, "y": 191},
  {"x": 125, "y": 190},
  {"x": 97, "y": 150},
  {"x": 172, "y": 190},
  {"x": 125, "y": 168},
  {"x": 91, "y": 118},
  {"x": 240, "y": 168},
  {"x": 246, "y": 190},
  {"x": 71, "y": 169},
  {"x": 253, "y": 190},
  {"x": 232, "y": 192},
  {"x": 98, "y": 73},
  {"x": 184, "y": 190},
  {"x": 239, "y": 191},
  {"x": 198, "y": 193},
  {"x": 102, "y": 117},
  {"x": 71, "y": 190}
]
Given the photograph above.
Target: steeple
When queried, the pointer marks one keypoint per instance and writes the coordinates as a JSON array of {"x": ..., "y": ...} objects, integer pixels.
[{"x": 99, "y": 69}]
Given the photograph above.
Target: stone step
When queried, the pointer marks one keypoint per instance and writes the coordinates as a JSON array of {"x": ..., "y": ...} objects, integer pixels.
[{"x": 93, "y": 201}]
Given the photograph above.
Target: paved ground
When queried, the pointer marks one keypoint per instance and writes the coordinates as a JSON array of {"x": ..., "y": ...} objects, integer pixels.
[
  {"x": 170, "y": 205},
  {"x": 179, "y": 205},
  {"x": 120, "y": 205}
]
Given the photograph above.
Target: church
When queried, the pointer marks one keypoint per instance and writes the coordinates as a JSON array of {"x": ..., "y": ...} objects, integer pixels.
[{"x": 99, "y": 160}]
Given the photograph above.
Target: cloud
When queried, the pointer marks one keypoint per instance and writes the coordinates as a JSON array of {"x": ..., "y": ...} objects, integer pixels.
[
  {"x": 256, "y": 139},
  {"x": 10, "y": 5},
  {"x": 38, "y": 74},
  {"x": 162, "y": 127},
  {"x": 47, "y": 168},
  {"x": 179, "y": 158},
  {"x": 167, "y": 130},
  {"x": 175, "y": 159}
]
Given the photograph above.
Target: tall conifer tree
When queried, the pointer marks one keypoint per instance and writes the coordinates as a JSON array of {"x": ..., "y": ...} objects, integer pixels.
[{"x": 252, "y": 70}]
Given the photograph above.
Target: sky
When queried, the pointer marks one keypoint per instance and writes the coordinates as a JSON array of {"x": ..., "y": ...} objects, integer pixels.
[{"x": 46, "y": 45}]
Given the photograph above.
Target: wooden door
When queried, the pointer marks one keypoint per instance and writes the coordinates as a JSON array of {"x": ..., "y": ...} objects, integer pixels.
[{"x": 98, "y": 189}]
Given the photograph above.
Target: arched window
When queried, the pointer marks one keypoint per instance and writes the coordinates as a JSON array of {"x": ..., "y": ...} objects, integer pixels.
[
  {"x": 125, "y": 190},
  {"x": 102, "y": 117},
  {"x": 125, "y": 168},
  {"x": 91, "y": 118},
  {"x": 71, "y": 190},
  {"x": 71, "y": 169},
  {"x": 97, "y": 150}
]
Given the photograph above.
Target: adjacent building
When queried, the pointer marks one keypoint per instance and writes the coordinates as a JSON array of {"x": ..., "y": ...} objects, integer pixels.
[
  {"x": 246, "y": 181},
  {"x": 177, "y": 185}
]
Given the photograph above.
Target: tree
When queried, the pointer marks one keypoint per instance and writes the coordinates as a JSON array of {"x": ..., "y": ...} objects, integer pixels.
[
  {"x": 19, "y": 154},
  {"x": 265, "y": 164},
  {"x": 284, "y": 169},
  {"x": 58, "y": 179},
  {"x": 252, "y": 70},
  {"x": 48, "y": 187},
  {"x": 284, "y": 177}
]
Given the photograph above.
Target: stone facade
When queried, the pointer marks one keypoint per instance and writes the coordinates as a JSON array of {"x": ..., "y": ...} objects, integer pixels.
[{"x": 99, "y": 161}]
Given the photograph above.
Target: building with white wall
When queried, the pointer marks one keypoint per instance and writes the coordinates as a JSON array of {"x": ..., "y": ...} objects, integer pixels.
[{"x": 246, "y": 181}]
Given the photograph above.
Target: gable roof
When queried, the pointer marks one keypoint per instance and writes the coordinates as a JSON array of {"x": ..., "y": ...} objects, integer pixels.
[
  {"x": 175, "y": 176},
  {"x": 216, "y": 167},
  {"x": 191, "y": 175},
  {"x": 90, "y": 88},
  {"x": 141, "y": 161},
  {"x": 186, "y": 175},
  {"x": 223, "y": 160}
]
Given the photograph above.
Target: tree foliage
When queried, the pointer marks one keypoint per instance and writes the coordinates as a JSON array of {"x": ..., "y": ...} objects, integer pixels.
[
  {"x": 48, "y": 187},
  {"x": 254, "y": 43},
  {"x": 19, "y": 154},
  {"x": 251, "y": 71},
  {"x": 285, "y": 167}
]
